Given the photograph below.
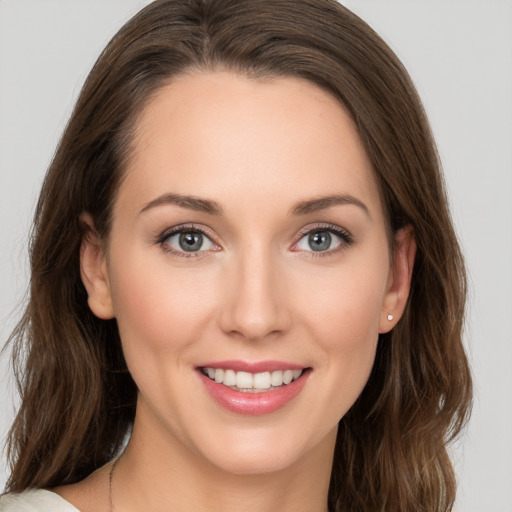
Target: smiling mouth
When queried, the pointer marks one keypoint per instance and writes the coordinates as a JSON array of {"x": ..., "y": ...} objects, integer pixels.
[{"x": 246, "y": 382}]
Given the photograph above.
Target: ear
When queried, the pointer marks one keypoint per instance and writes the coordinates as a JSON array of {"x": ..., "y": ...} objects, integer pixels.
[
  {"x": 399, "y": 281},
  {"x": 93, "y": 270}
]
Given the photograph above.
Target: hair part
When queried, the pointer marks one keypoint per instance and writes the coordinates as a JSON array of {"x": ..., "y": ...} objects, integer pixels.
[{"x": 77, "y": 397}]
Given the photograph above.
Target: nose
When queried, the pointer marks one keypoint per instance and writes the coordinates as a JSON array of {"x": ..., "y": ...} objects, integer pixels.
[{"x": 255, "y": 301}]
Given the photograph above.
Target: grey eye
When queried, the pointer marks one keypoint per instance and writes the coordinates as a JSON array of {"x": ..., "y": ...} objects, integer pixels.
[
  {"x": 319, "y": 241},
  {"x": 189, "y": 241}
]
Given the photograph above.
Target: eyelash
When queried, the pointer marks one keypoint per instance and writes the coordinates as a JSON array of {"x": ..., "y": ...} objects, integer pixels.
[
  {"x": 181, "y": 229},
  {"x": 345, "y": 237}
]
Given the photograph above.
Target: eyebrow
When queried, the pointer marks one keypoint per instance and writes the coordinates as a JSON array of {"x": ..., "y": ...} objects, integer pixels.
[
  {"x": 213, "y": 208},
  {"x": 322, "y": 203},
  {"x": 185, "y": 201}
]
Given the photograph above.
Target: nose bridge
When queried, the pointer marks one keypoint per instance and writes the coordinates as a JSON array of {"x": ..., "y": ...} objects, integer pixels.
[{"x": 255, "y": 306}]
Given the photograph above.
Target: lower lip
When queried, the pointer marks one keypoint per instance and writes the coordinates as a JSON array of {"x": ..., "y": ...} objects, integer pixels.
[{"x": 253, "y": 404}]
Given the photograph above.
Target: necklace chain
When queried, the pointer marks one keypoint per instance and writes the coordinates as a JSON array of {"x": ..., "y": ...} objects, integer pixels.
[{"x": 110, "y": 477}]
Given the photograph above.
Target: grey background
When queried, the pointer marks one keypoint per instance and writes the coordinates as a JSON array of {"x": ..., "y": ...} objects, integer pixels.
[{"x": 459, "y": 53}]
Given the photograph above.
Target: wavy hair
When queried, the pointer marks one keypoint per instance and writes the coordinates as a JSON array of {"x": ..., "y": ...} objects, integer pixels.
[{"x": 77, "y": 397}]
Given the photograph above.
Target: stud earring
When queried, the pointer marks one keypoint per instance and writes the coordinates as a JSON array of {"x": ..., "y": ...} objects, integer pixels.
[{"x": 390, "y": 317}]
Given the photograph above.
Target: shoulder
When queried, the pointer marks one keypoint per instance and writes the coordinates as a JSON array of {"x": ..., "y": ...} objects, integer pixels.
[{"x": 35, "y": 500}]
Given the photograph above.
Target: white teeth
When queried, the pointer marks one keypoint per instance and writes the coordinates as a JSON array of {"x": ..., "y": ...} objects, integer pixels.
[
  {"x": 277, "y": 378},
  {"x": 261, "y": 380},
  {"x": 287, "y": 376},
  {"x": 256, "y": 381},
  {"x": 229, "y": 378},
  {"x": 243, "y": 380}
]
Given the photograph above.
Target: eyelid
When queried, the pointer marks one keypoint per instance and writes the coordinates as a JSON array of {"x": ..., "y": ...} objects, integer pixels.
[
  {"x": 180, "y": 228},
  {"x": 342, "y": 233}
]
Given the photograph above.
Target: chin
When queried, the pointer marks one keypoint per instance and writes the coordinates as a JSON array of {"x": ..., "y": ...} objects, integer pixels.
[
  {"x": 259, "y": 453},
  {"x": 256, "y": 462}
]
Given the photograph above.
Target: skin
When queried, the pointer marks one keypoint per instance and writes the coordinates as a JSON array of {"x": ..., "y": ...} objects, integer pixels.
[{"x": 258, "y": 291}]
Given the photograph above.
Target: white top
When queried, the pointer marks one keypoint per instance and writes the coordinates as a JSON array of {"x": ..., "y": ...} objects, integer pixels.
[{"x": 35, "y": 500}]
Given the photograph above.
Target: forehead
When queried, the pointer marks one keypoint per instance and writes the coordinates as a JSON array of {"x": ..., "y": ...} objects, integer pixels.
[{"x": 279, "y": 139}]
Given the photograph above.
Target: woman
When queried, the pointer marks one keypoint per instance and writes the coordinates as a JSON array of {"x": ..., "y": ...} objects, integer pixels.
[{"x": 246, "y": 289}]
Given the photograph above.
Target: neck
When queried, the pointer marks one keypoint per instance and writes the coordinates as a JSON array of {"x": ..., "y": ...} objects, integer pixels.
[{"x": 162, "y": 476}]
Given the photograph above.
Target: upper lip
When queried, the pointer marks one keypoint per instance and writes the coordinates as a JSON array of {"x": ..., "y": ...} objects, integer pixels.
[{"x": 253, "y": 366}]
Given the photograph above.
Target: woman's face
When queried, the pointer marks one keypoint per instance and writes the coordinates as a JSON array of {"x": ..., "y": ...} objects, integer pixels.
[{"x": 248, "y": 239}]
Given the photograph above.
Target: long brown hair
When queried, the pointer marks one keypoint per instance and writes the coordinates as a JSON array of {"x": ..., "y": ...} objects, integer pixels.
[{"x": 77, "y": 397}]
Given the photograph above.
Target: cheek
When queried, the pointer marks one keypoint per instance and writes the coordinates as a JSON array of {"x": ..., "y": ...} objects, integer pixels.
[
  {"x": 343, "y": 317},
  {"x": 158, "y": 310},
  {"x": 347, "y": 333},
  {"x": 346, "y": 305}
]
